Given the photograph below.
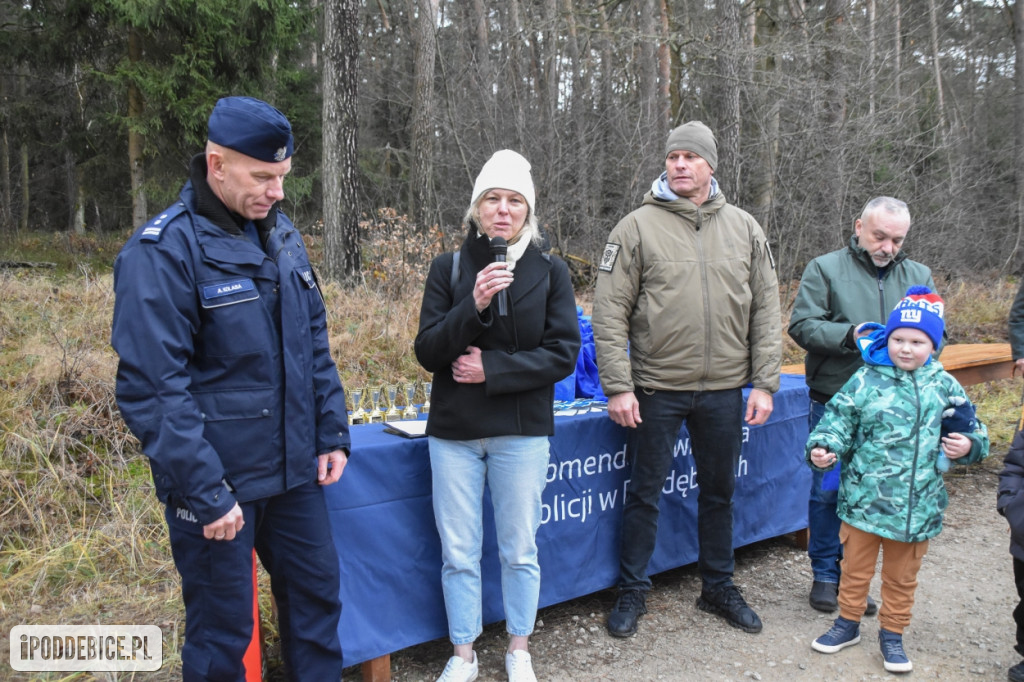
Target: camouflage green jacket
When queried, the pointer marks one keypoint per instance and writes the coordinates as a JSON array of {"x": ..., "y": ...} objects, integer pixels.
[{"x": 884, "y": 426}]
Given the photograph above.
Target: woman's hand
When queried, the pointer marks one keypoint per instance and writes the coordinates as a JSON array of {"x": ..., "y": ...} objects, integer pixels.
[
  {"x": 468, "y": 368},
  {"x": 490, "y": 281}
]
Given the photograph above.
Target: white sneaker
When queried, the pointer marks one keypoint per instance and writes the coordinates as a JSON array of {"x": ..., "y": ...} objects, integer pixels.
[
  {"x": 459, "y": 670},
  {"x": 519, "y": 665}
]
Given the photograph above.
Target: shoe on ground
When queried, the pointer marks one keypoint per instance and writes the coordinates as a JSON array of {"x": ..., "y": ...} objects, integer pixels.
[
  {"x": 460, "y": 670},
  {"x": 842, "y": 634},
  {"x": 519, "y": 667},
  {"x": 629, "y": 606},
  {"x": 895, "y": 659},
  {"x": 824, "y": 596},
  {"x": 728, "y": 603},
  {"x": 1016, "y": 673},
  {"x": 871, "y": 608}
]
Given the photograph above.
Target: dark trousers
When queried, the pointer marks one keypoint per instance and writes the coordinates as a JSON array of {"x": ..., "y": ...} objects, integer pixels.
[
  {"x": 1018, "y": 613},
  {"x": 291, "y": 535},
  {"x": 713, "y": 419},
  {"x": 823, "y": 546}
]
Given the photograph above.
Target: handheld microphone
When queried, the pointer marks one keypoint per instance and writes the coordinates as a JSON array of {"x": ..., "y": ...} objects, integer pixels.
[{"x": 499, "y": 247}]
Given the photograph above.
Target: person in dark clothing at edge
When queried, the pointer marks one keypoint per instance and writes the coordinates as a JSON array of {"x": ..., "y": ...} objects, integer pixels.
[
  {"x": 686, "y": 282},
  {"x": 226, "y": 378},
  {"x": 1010, "y": 502},
  {"x": 838, "y": 291}
]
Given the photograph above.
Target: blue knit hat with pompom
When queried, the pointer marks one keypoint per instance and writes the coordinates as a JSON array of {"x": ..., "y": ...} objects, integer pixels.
[{"x": 921, "y": 309}]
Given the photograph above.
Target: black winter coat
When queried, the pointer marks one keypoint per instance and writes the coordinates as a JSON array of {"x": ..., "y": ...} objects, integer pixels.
[
  {"x": 1010, "y": 501},
  {"x": 524, "y": 353}
]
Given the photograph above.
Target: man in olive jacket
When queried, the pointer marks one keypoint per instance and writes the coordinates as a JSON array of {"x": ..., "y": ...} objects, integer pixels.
[
  {"x": 688, "y": 284},
  {"x": 838, "y": 291}
]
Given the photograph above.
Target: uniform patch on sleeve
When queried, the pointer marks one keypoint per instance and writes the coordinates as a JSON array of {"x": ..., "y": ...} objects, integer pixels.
[
  {"x": 152, "y": 230},
  {"x": 608, "y": 258},
  {"x": 771, "y": 256}
]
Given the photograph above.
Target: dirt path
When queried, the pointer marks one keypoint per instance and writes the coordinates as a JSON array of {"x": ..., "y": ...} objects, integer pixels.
[{"x": 962, "y": 626}]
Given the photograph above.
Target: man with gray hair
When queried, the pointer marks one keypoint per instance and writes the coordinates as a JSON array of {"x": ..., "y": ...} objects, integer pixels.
[
  {"x": 687, "y": 285},
  {"x": 838, "y": 291}
]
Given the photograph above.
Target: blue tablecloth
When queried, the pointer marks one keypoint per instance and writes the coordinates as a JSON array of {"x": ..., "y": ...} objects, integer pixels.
[{"x": 390, "y": 554}]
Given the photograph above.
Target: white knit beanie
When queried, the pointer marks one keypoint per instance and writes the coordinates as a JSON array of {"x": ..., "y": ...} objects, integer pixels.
[{"x": 506, "y": 169}]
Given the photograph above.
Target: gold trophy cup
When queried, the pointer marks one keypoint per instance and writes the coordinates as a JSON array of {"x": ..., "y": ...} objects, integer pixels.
[
  {"x": 410, "y": 409},
  {"x": 425, "y": 407},
  {"x": 375, "y": 416},
  {"x": 393, "y": 412},
  {"x": 358, "y": 416}
]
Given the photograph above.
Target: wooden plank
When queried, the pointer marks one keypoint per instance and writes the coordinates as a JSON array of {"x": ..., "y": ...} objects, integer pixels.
[
  {"x": 970, "y": 363},
  {"x": 377, "y": 669}
]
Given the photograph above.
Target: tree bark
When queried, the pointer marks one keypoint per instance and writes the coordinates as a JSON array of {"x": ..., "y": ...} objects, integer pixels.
[
  {"x": 728, "y": 76},
  {"x": 136, "y": 141},
  {"x": 424, "y": 18},
  {"x": 23, "y": 220},
  {"x": 339, "y": 81},
  {"x": 1018, "y": 128}
]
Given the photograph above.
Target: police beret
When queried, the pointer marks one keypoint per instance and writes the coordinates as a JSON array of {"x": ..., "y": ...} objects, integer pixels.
[{"x": 251, "y": 127}]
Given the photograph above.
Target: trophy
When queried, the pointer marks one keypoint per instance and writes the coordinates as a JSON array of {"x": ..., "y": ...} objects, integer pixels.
[
  {"x": 425, "y": 408},
  {"x": 358, "y": 416},
  {"x": 393, "y": 412},
  {"x": 410, "y": 410},
  {"x": 375, "y": 416}
]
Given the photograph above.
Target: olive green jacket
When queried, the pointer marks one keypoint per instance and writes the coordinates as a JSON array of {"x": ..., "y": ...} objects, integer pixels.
[{"x": 693, "y": 292}]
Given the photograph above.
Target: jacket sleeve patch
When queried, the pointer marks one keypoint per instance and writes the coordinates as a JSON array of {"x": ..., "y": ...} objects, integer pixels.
[
  {"x": 608, "y": 258},
  {"x": 152, "y": 230},
  {"x": 227, "y": 293}
]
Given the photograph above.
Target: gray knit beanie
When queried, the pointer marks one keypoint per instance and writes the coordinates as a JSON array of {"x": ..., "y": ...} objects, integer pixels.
[{"x": 695, "y": 137}]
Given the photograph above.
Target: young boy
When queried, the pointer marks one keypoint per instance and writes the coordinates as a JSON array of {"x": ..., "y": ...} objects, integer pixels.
[
  {"x": 1010, "y": 504},
  {"x": 884, "y": 425}
]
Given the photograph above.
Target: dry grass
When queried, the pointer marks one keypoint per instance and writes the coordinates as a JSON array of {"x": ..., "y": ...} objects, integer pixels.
[{"x": 82, "y": 537}]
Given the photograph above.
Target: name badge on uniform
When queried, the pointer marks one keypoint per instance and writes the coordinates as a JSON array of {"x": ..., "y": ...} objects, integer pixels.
[{"x": 228, "y": 293}]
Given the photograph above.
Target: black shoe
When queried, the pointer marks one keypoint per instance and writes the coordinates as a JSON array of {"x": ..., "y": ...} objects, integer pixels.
[
  {"x": 871, "y": 608},
  {"x": 824, "y": 596},
  {"x": 1016, "y": 673},
  {"x": 629, "y": 606},
  {"x": 728, "y": 603}
]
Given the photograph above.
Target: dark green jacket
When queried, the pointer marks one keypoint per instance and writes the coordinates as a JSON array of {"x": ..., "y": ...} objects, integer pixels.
[
  {"x": 1017, "y": 324},
  {"x": 838, "y": 291}
]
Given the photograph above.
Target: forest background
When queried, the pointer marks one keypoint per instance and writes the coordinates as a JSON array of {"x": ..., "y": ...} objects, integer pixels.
[
  {"x": 818, "y": 106},
  {"x": 396, "y": 104}
]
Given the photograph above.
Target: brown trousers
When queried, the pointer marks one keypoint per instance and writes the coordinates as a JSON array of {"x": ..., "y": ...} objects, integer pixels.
[{"x": 900, "y": 563}]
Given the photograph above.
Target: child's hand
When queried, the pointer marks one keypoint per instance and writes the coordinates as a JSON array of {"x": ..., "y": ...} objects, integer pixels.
[
  {"x": 863, "y": 329},
  {"x": 822, "y": 458},
  {"x": 956, "y": 445}
]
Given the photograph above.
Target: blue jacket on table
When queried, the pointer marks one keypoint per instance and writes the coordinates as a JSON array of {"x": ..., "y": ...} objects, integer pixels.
[{"x": 225, "y": 373}]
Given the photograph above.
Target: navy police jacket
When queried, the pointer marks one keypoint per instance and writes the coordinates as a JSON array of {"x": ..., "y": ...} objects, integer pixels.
[{"x": 225, "y": 374}]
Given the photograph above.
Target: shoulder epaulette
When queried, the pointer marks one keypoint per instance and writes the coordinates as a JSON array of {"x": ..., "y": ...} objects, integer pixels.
[{"x": 152, "y": 230}]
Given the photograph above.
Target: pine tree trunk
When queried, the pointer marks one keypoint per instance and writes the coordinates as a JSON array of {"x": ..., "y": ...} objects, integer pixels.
[{"x": 340, "y": 207}]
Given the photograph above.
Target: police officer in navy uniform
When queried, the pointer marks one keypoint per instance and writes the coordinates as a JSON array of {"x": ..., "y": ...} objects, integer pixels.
[{"x": 225, "y": 376}]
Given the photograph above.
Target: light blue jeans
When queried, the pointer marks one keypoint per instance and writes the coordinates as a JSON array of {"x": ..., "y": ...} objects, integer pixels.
[{"x": 515, "y": 468}]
